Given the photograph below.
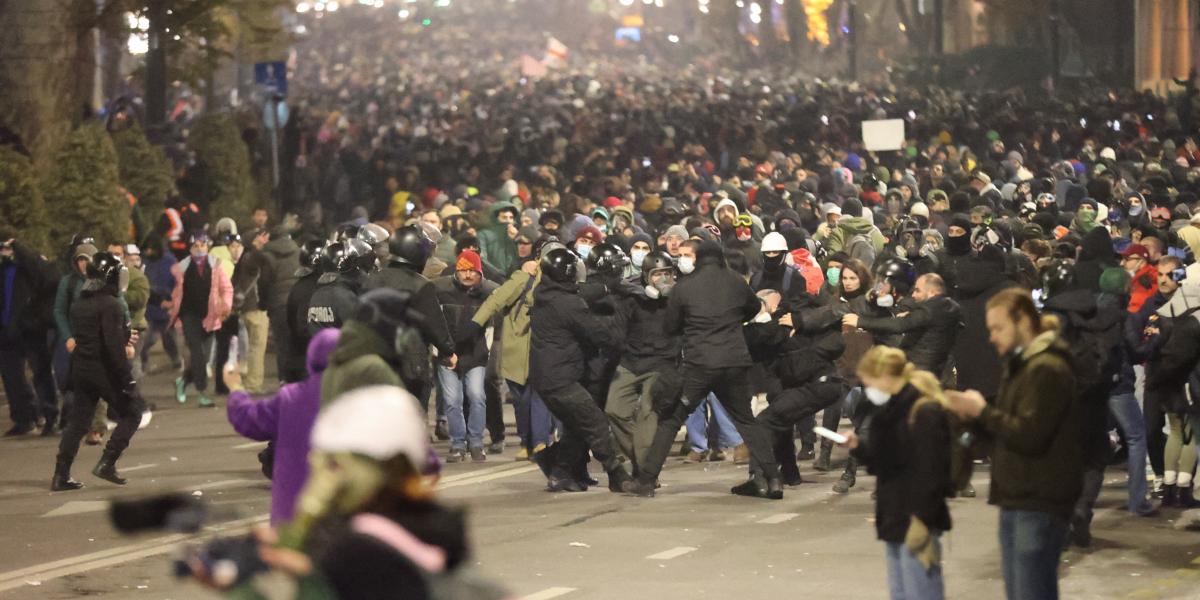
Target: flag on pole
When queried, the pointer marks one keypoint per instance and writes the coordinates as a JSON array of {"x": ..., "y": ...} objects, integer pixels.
[{"x": 556, "y": 53}]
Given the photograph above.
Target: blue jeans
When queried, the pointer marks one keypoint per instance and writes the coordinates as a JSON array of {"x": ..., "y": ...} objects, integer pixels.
[
  {"x": 534, "y": 422},
  {"x": 464, "y": 430},
  {"x": 1030, "y": 546},
  {"x": 907, "y": 577},
  {"x": 698, "y": 424},
  {"x": 1128, "y": 414}
]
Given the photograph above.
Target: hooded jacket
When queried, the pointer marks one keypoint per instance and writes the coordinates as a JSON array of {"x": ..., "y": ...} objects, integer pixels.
[
  {"x": 1037, "y": 459},
  {"x": 283, "y": 256},
  {"x": 648, "y": 346},
  {"x": 162, "y": 285},
  {"x": 1095, "y": 255},
  {"x": 849, "y": 226},
  {"x": 511, "y": 302},
  {"x": 708, "y": 308},
  {"x": 20, "y": 283},
  {"x": 497, "y": 248},
  {"x": 137, "y": 295},
  {"x": 287, "y": 419},
  {"x": 361, "y": 358},
  {"x": 101, "y": 330},
  {"x": 979, "y": 367},
  {"x": 1179, "y": 353}
]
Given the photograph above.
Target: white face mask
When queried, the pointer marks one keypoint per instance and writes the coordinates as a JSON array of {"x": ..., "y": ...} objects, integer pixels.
[
  {"x": 885, "y": 301},
  {"x": 762, "y": 318},
  {"x": 687, "y": 264},
  {"x": 877, "y": 396},
  {"x": 652, "y": 292},
  {"x": 637, "y": 256}
]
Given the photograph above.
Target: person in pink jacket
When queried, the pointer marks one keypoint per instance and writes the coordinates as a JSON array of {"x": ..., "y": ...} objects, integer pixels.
[{"x": 202, "y": 299}]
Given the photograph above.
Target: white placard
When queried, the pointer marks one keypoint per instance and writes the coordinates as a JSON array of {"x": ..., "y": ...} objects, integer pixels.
[{"x": 883, "y": 134}]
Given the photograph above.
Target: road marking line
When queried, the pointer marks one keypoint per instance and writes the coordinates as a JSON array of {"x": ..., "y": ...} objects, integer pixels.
[
  {"x": 220, "y": 484},
  {"x": 549, "y": 593},
  {"x": 672, "y": 553},
  {"x": 114, "y": 556},
  {"x": 78, "y": 507},
  {"x": 481, "y": 472},
  {"x": 779, "y": 518},
  {"x": 139, "y": 467},
  {"x": 491, "y": 477},
  {"x": 250, "y": 445}
]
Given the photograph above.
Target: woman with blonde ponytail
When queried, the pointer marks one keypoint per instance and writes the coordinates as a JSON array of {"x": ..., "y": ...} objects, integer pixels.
[{"x": 907, "y": 447}]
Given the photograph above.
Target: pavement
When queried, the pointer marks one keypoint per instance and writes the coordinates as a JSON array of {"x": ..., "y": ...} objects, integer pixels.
[{"x": 694, "y": 540}]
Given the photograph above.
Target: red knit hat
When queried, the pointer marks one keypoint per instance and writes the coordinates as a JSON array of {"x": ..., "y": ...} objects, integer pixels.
[
  {"x": 468, "y": 260},
  {"x": 590, "y": 234},
  {"x": 612, "y": 202}
]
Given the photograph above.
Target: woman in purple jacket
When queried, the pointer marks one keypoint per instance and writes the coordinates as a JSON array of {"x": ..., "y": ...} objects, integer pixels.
[{"x": 287, "y": 419}]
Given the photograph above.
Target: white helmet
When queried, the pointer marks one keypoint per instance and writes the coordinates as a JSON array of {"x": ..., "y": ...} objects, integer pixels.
[{"x": 774, "y": 242}]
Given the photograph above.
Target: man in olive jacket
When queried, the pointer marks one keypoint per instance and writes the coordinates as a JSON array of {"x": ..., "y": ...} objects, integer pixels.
[{"x": 1037, "y": 458}]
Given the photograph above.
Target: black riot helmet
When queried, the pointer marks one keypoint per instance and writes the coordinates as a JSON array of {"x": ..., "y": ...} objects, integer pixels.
[
  {"x": 897, "y": 272},
  {"x": 310, "y": 253},
  {"x": 607, "y": 260},
  {"x": 343, "y": 257},
  {"x": 345, "y": 232},
  {"x": 1057, "y": 277},
  {"x": 103, "y": 270},
  {"x": 376, "y": 237},
  {"x": 409, "y": 245},
  {"x": 656, "y": 261},
  {"x": 561, "y": 265}
]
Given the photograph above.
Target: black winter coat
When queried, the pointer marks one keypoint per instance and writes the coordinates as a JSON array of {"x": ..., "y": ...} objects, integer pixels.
[
  {"x": 930, "y": 331},
  {"x": 333, "y": 303},
  {"x": 297, "y": 311},
  {"x": 648, "y": 346},
  {"x": 1178, "y": 358},
  {"x": 911, "y": 463},
  {"x": 459, "y": 304},
  {"x": 101, "y": 330},
  {"x": 274, "y": 287},
  {"x": 423, "y": 300},
  {"x": 979, "y": 367},
  {"x": 709, "y": 307},
  {"x": 560, "y": 327}
]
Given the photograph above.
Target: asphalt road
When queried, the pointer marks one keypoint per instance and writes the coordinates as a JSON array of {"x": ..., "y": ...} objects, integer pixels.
[{"x": 694, "y": 540}]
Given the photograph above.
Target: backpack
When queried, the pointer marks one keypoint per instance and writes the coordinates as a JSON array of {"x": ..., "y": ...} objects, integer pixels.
[
  {"x": 861, "y": 247},
  {"x": 962, "y": 463},
  {"x": 1093, "y": 357}
]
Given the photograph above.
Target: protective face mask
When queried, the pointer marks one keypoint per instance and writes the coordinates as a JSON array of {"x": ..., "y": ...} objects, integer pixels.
[
  {"x": 833, "y": 275},
  {"x": 687, "y": 264},
  {"x": 637, "y": 256},
  {"x": 876, "y": 396},
  {"x": 762, "y": 317},
  {"x": 1136, "y": 210},
  {"x": 958, "y": 245},
  {"x": 583, "y": 250},
  {"x": 652, "y": 292},
  {"x": 743, "y": 234},
  {"x": 886, "y": 301},
  {"x": 198, "y": 256}
]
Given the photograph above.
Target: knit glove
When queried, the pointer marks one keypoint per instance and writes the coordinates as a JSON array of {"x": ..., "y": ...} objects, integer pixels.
[{"x": 920, "y": 543}]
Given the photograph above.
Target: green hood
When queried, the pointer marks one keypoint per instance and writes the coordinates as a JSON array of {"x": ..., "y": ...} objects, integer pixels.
[
  {"x": 494, "y": 214},
  {"x": 855, "y": 225},
  {"x": 359, "y": 340}
]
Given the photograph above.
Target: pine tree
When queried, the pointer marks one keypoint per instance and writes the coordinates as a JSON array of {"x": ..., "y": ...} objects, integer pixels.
[
  {"x": 82, "y": 190},
  {"x": 22, "y": 210},
  {"x": 144, "y": 170},
  {"x": 227, "y": 189}
]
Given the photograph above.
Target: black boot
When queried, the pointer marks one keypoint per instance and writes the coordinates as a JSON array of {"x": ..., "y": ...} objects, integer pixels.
[
  {"x": 559, "y": 481},
  {"x": 1081, "y": 531},
  {"x": 806, "y": 452},
  {"x": 619, "y": 481},
  {"x": 62, "y": 481},
  {"x": 107, "y": 468},
  {"x": 774, "y": 488},
  {"x": 1170, "y": 495},
  {"x": 756, "y": 486},
  {"x": 822, "y": 462},
  {"x": 849, "y": 477},
  {"x": 1186, "y": 499}
]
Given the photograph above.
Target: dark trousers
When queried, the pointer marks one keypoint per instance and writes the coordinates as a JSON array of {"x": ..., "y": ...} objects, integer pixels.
[
  {"x": 90, "y": 384},
  {"x": 1156, "y": 440},
  {"x": 797, "y": 405},
  {"x": 223, "y": 338},
  {"x": 584, "y": 426},
  {"x": 492, "y": 383},
  {"x": 160, "y": 329},
  {"x": 732, "y": 387},
  {"x": 27, "y": 403},
  {"x": 199, "y": 343},
  {"x": 282, "y": 339}
]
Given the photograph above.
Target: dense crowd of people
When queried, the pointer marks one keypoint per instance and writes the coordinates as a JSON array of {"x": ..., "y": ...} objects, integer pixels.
[{"x": 621, "y": 250}]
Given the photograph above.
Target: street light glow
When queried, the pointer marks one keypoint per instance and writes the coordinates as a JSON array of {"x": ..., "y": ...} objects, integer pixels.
[
  {"x": 303, "y": 7},
  {"x": 674, "y": 39}
]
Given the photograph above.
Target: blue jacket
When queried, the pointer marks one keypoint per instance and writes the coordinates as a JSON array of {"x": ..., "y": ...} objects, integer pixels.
[{"x": 162, "y": 283}]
